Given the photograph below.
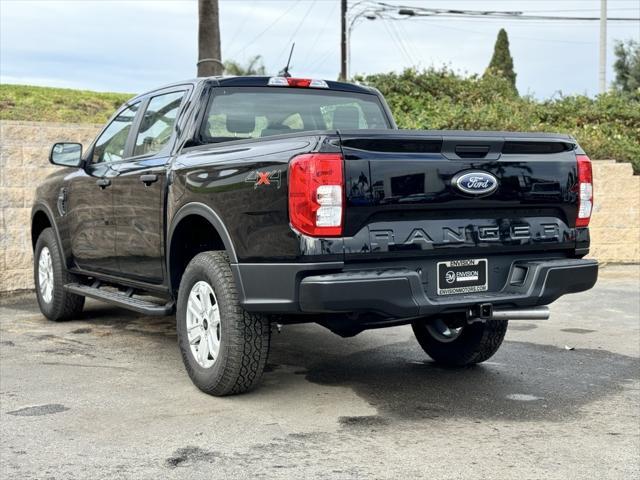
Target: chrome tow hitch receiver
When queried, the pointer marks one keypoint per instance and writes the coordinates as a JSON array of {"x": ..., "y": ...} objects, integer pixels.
[
  {"x": 480, "y": 312},
  {"x": 485, "y": 311}
]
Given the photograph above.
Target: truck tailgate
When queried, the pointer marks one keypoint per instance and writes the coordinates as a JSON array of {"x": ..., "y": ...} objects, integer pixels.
[{"x": 402, "y": 199}]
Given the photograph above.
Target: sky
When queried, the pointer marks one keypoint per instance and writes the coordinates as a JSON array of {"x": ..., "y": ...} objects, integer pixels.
[{"x": 134, "y": 46}]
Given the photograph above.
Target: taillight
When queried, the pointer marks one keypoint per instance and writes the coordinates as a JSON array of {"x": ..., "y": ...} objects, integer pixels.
[
  {"x": 585, "y": 191},
  {"x": 316, "y": 194},
  {"x": 297, "y": 82}
]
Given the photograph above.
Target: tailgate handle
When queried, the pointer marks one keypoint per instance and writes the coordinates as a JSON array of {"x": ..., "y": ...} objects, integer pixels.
[{"x": 472, "y": 151}]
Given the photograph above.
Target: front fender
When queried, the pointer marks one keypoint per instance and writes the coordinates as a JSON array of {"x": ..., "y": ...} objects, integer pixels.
[{"x": 41, "y": 208}]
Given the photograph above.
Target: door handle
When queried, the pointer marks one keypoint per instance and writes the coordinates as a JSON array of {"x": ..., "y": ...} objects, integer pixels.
[
  {"x": 148, "y": 178},
  {"x": 103, "y": 183}
]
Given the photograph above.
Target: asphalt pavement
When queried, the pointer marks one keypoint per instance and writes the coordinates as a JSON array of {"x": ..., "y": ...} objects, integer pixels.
[{"x": 107, "y": 397}]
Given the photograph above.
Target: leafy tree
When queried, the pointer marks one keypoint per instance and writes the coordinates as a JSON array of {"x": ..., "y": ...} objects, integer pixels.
[
  {"x": 253, "y": 67},
  {"x": 502, "y": 62},
  {"x": 627, "y": 66}
]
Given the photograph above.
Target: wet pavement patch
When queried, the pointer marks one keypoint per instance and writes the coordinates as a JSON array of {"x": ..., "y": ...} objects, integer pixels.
[
  {"x": 402, "y": 383},
  {"x": 46, "y": 336},
  {"x": 81, "y": 330},
  {"x": 271, "y": 367},
  {"x": 522, "y": 327},
  {"x": 68, "y": 346},
  {"x": 190, "y": 454},
  {"x": 21, "y": 303},
  {"x": 577, "y": 330},
  {"x": 363, "y": 421},
  {"x": 38, "y": 410}
]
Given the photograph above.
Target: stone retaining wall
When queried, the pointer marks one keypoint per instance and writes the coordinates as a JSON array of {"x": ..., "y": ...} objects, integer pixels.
[
  {"x": 24, "y": 149},
  {"x": 24, "y": 154},
  {"x": 615, "y": 223}
]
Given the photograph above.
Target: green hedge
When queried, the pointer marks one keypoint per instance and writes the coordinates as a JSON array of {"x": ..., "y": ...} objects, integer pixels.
[
  {"x": 607, "y": 127},
  {"x": 45, "y": 104}
]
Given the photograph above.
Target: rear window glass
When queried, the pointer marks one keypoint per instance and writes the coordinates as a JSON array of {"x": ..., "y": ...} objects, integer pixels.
[{"x": 236, "y": 113}]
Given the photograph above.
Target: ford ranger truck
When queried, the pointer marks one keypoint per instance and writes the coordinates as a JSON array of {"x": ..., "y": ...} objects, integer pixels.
[{"x": 242, "y": 202}]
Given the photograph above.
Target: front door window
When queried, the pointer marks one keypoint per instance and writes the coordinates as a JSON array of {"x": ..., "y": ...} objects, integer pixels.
[{"x": 111, "y": 144}]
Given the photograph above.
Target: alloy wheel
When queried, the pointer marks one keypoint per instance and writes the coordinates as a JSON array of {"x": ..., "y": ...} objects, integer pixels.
[
  {"x": 45, "y": 275},
  {"x": 203, "y": 324}
]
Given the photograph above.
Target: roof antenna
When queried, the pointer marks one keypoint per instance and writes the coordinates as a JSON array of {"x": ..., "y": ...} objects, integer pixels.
[{"x": 285, "y": 71}]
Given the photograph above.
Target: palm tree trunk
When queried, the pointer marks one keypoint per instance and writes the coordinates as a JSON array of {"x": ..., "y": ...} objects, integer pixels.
[{"x": 209, "y": 56}]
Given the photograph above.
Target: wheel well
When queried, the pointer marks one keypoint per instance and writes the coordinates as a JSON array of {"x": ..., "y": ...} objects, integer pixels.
[
  {"x": 194, "y": 234},
  {"x": 39, "y": 222}
]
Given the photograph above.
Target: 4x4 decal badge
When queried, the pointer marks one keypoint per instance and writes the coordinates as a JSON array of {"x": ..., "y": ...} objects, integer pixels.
[{"x": 259, "y": 178}]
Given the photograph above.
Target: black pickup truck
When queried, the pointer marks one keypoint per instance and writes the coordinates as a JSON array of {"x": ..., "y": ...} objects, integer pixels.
[{"x": 243, "y": 202}]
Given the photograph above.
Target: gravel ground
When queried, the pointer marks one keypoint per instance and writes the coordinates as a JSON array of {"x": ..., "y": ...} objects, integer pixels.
[{"x": 107, "y": 397}]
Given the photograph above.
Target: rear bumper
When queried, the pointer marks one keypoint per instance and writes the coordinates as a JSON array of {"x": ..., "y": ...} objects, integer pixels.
[{"x": 399, "y": 292}]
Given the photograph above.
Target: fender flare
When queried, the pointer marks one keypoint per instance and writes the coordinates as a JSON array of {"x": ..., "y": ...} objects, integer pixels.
[
  {"x": 197, "y": 208},
  {"x": 44, "y": 208}
]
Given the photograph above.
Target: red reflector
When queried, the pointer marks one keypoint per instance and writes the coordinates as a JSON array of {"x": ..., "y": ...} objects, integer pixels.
[
  {"x": 316, "y": 194},
  {"x": 584, "y": 190}
]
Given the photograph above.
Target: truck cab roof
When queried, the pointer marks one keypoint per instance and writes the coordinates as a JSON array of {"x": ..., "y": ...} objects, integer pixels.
[
  {"x": 255, "y": 81},
  {"x": 263, "y": 81}
]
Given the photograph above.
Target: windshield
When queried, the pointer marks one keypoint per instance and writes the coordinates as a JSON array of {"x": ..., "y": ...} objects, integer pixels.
[{"x": 235, "y": 113}]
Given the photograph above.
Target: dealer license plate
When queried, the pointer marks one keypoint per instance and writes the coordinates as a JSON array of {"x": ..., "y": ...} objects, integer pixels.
[{"x": 462, "y": 276}]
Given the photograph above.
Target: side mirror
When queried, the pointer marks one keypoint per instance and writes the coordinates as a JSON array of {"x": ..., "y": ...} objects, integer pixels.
[{"x": 66, "y": 154}]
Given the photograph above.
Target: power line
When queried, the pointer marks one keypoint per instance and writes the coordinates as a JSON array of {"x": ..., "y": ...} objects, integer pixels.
[
  {"x": 396, "y": 41},
  {"x": 321, "y": 59},
  {"x": 583, "y": 10},
  {"x": 295, "y": 32},
  {"x": 392, "y": 26},
  {"x": 496, "y": 21},
  {"x": 387, "y": 13},
  {"x": 284, "y": 14},
  {"x": 492, "y": 33},
  {"x": 322, "y": 29},
  {"x": 238, "y": 29},
  {"x": 399, "y": 11},
  {"x": 371, "y": 9},
  {"x": 406, "y": 35}
]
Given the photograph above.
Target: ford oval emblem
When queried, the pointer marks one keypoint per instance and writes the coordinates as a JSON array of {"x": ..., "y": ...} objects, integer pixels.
[{"x": 475, "y": 182}]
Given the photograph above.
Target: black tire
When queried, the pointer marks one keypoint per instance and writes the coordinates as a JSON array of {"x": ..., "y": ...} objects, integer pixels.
[
  {"x": 475, "y": 343},
  {"x": 62, "y": 305},
  {"x": 244, "y": 337}
]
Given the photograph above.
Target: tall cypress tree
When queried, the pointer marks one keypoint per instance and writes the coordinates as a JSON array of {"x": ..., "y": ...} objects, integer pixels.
[
  {"x": 627, "y": 66},
  {"x": 502, "y": 62}
]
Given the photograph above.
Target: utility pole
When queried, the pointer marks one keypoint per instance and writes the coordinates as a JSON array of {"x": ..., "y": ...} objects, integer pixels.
[
  {"x": 209, "y": 57},
  {"x": 343, "y": 41},
  {"x": 602, "y": 77}
]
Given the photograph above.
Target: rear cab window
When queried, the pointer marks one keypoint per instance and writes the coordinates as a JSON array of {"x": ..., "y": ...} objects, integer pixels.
[{"x": 235, "y": 113}]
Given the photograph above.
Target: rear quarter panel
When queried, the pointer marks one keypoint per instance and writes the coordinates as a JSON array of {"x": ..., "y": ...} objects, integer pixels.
[{"x": 225, "y": 177}]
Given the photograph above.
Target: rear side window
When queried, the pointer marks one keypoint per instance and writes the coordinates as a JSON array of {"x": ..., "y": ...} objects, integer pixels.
[
  {"x": 235, "y": 113},
  {"x": 157, "y": 123}
]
